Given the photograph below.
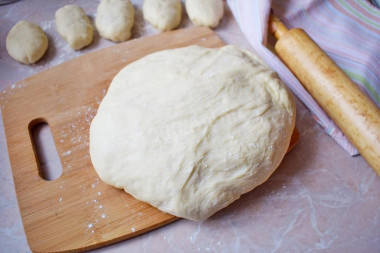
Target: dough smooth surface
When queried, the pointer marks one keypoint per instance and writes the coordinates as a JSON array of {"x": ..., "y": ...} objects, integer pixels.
[
  {"x": 205, "y": 12},
  {"x": 190, "y": 130},
  {"x": 164, "y": 15},
  {"x": 115, "y": 19},
  {"x": 26, "y": 42},
  {"x": 74, "y": 26}
]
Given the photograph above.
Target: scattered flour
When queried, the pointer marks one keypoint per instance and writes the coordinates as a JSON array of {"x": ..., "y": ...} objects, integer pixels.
[{"x": 66, "y": 153}]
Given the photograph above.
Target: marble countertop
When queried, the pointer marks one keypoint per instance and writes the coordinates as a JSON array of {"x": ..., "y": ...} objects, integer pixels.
[{"x": 319, "y": 200}]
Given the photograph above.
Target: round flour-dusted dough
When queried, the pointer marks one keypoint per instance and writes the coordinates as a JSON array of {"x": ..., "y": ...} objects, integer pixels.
[
  {"x": 205, "y": 12},
  {"x": 165, "y": 15},
  {"x": 74, "y": 26},
  {"x": 114, "y": 19},
  {"x": 190, "y": 130},
  {"x": 26, "y": 42}
]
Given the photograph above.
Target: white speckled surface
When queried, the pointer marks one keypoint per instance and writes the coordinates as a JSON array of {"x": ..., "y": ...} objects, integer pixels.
[{"x": 319, "y": 200}]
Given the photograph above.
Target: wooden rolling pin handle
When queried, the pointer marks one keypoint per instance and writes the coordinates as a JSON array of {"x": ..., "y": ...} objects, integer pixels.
[
  {"x": 353, "y": 112},
  {"x": 276, "y": 27}
]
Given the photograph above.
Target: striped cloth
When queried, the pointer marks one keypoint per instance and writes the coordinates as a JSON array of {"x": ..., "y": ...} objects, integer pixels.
[{"x": 347, "y": 30}]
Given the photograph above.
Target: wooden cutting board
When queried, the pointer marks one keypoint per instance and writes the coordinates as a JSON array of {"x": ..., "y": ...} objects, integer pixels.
[{"x": 78, "y": 211}]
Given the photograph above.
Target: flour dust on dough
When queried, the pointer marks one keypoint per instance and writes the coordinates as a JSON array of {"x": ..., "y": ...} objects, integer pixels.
[
  {"x": 26, "y": 42},
  {"x": 190, "y": 130},
  {"x": 74, "y": 26},
  {"x": 164, "y": 15},
  {"x": 205, "y": 12},
  {"x": 115, "y": 19}
]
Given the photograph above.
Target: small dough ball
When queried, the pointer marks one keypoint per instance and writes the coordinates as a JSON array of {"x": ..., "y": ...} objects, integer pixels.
[
  {"x": 114, "y": 19},
  {"x": 26, "y": 42},
  {"x": 205, "y": 12},
  {"x": 164, "y": 15},
  {"x": 190, "y": 130},
  {"x": 74, "y": 26}
]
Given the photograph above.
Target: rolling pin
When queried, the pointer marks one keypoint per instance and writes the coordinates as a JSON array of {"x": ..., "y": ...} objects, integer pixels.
[{"x": 351, "y": 110}]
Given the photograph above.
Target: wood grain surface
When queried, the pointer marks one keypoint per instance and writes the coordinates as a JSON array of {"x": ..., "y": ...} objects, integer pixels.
[
  {"x": 356, "y": 115},
  {"x": 77, "y": 211}
]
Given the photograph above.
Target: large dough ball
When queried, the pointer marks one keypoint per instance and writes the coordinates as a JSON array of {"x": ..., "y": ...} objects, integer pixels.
[
  {"x": 205, "y": 12},
  {"x": 190, "y": 130},
  {"x": 74, "y": 26},
  {"x": 114, "y": 19},
  {"x": 26, "y": 42},
  {"x": 165, "y": 15}
]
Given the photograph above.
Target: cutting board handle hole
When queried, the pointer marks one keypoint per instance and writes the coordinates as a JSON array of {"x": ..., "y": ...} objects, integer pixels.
[{"x": 49, "y": 163}]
